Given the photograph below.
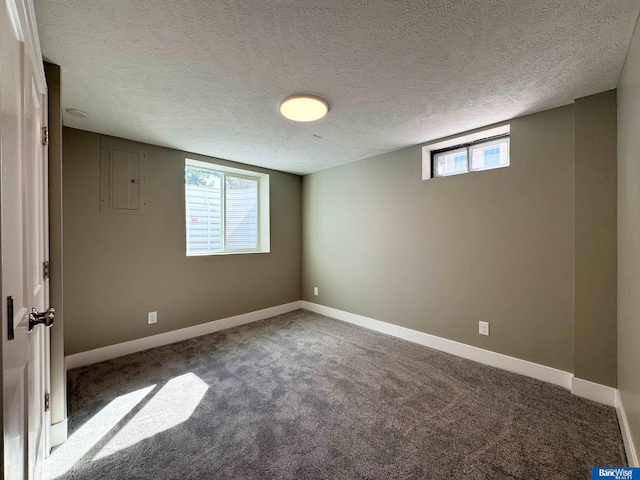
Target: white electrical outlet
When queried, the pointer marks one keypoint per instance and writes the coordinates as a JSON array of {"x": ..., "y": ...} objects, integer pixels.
[
  {"x": 315, "y": 291},
  {"x": 483, "y": 328},
  {"x": 152, "y": 317}
]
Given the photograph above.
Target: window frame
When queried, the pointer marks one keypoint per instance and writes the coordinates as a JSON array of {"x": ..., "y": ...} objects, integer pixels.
[
  {"x": 224, "y": 210},
  {"x": 468, "y": 146},
  {"x": 263, "y": 208}
]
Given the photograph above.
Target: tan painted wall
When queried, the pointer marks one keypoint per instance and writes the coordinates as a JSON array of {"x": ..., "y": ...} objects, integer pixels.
[
  {"x": 437, "y": 256},
  {"x": 119, "y": 267},
  {"x": 530, "y": 248},
  {"x": 595, "y": 238},
  {"x": 629, "y": 239}
]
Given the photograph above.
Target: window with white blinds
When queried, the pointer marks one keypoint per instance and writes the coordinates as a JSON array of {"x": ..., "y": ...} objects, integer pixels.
[{"x": 227, "y": 209}]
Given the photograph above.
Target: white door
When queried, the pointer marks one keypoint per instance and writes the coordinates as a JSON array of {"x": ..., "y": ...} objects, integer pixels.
[{"x": 23, "y": 242}]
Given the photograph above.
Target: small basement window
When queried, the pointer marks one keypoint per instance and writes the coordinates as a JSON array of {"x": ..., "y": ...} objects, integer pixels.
[
  {"x": 475, "y": 156},
  {"x": 227, "y": 209},
  {"x": 469, "y": 153}
]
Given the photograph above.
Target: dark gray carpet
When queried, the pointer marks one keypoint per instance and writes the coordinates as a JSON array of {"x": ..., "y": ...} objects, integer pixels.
[{"x": 302, "y": 396}]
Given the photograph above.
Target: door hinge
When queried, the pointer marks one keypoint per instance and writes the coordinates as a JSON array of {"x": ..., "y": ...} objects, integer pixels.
[
  {"x": 45, "y": 135},
  {"x": 46, "y": 269},
  {"x": 47, "y": 401}
]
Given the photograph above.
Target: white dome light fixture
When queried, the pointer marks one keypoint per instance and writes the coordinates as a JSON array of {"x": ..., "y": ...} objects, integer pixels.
[
  {"x": 77, "y": 113},
  {"x": 304, "y": 108}
]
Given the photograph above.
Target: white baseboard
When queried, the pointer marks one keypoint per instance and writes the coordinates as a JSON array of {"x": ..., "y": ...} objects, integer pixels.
[
  {"x": 583, "y": 388},
  {"x": 59, "y": 433},
  {"x": 125, "y": 348},
  {"x": 629, "y": 447},
  {"x": 498, "y": 360},
  {"x": 594, "y": 391}
]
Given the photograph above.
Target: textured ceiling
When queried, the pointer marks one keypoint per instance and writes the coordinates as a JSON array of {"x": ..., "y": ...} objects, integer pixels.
[{"x": 207, "y": 76}]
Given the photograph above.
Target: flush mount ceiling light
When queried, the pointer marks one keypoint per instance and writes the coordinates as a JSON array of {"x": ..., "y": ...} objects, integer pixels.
[
  {"x": 77, "y": 113},
  {"x": 304, "y": 108}
]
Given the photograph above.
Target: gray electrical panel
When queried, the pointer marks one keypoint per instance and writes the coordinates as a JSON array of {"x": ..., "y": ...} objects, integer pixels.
[{"x": 122, "y": 177}]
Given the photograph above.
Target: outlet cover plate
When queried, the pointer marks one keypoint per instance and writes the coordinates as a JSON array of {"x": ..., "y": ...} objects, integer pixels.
[
  {"x": 152, "y": 317},
  {"x": 483, "y": 328},
  {"x": 315, "y": 291}
]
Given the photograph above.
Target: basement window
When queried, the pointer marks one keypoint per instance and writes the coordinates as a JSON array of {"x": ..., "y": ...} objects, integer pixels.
[
  {"x": 480, "y": 155},
  {"x": 484, "y": 150},
  {"x": 227, "y": 209}
]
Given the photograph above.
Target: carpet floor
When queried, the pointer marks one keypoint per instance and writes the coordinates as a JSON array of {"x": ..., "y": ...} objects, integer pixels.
[{"x": 302, "y": 396}]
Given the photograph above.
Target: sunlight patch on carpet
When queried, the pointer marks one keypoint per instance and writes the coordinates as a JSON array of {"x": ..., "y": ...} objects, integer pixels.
[
  {"x": 171, "y": 406},
  {"x": 89, "y": 434}
]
